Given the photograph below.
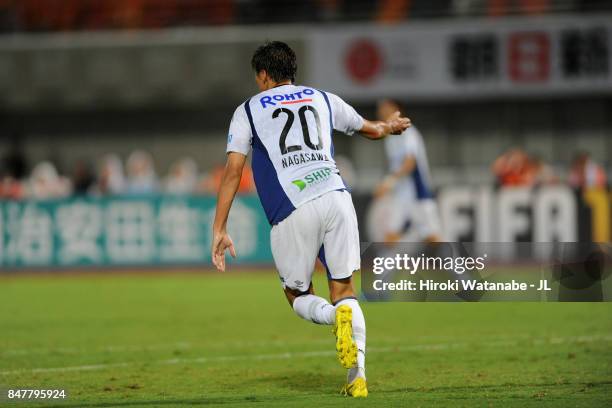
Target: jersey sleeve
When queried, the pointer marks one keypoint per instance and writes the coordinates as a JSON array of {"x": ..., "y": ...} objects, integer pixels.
[
  {"x": 239, "y": 137},
  {"x": 345, "y": 118}
]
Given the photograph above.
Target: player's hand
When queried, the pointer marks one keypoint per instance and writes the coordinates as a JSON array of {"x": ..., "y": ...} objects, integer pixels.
[
  {"x": 381, "y": 190},
  {"x": 384, "y": 187},
  {"x": 398, "y": 124},
  {"x": 221, "y": 242}
]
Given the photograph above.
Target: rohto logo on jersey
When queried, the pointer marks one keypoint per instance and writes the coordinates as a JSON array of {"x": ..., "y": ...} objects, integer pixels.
[
  {"x": 315, "y": 177},
  {"x": 286, "y": 99}
]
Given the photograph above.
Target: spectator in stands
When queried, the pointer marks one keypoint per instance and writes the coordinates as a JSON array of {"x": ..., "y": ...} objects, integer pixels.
[
  {"x": 516, "y": 168},
  {"x": 128, "y": 13},
  {"x": 10, "y": 188},
  {"x": 586, "y": 173},
  {"x": 45, "y": 183},
  {"x": 141, "y": 174},
  {"x": 83, "y": 178},
  {"x": 211, "y": 183},
  {"x": 511, "y": 168},
  {"x": 393, "y": 11},
  {"x": 497, "y": 8},
  {"x": 541, "y": 172},
  {"x": 182, "y": 178},
  {"x": 111, "y": 180}
]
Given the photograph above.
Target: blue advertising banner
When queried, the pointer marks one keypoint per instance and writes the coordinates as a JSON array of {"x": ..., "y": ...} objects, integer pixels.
[{"x": 126, "y": 231}]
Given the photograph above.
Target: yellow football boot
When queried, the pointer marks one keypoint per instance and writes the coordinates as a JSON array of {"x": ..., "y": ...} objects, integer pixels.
[
  {"x": 343, "y": 330},
  {"x": 356, "y": 389}
]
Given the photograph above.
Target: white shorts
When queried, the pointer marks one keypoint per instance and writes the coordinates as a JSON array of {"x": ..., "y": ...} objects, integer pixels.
[
  {"x": 416, "y": 220},
  {"x": 325, "y": 227},
  {"x": 424, "y": 221}
]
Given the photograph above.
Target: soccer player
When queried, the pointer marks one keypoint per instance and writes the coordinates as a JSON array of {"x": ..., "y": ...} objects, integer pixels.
[
  {"x": 410, "y": 182},
  {"x": 289, "y": 129}
]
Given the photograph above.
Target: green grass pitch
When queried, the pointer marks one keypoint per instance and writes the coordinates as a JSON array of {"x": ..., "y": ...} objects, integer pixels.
[{"x": 230, "y": 340}]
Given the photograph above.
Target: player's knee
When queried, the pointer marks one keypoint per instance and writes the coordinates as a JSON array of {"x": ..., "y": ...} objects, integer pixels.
[
  {"x": 292, "y": 294},
  {"x": 433, "y": 239}
]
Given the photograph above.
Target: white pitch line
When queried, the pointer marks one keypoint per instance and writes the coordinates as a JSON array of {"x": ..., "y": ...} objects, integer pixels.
[
  {"x": 185, "y": 345},
  {"x": 321, "y": 353},
  {"x": 182, "y": 345}
]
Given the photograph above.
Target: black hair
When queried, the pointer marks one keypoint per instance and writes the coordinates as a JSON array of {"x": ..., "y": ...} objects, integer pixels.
[{"x": 277, "y": 59}]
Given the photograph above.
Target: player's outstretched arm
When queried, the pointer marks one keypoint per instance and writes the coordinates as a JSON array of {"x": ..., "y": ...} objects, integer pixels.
[
  {"x": 389, "y": 181},
  {"x": 380, "y": 129},
  {"x": 229, "y": 185}
]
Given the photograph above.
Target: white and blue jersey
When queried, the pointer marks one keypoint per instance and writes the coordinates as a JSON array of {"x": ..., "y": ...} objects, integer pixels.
[
  {"x": 417, "y": 185},
  {"x": 290, "y": 129}
]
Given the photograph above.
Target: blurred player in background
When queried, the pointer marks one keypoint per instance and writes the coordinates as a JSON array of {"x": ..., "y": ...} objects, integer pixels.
[
  {"x": 289, "y": 128},
  {"x": 409, "y": 182}
]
